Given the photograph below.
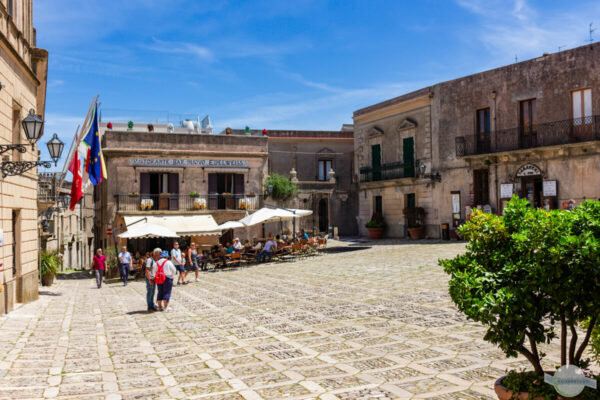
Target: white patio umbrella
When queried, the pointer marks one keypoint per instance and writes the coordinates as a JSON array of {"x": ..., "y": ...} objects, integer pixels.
[
  {"x": 229, "y": 225},
  {"x": 148, "y": 230},
  {"x": 265, "y": 215}
]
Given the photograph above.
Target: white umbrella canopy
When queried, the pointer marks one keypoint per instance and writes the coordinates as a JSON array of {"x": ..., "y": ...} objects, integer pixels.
[
  {"x": 229, "y": 225},
  {"x": 272, "y": 214},
  {"x": 148, "y": 230}
]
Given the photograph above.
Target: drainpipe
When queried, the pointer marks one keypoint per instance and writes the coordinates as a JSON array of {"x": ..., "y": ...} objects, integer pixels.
[{"x": 496, "y": 188}]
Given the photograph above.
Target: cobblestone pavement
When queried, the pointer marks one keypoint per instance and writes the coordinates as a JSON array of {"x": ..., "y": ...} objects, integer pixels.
[{"x": 367, "y": 324}]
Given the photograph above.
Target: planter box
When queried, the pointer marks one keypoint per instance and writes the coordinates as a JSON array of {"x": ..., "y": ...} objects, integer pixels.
[
  {"x": 47, "y": 280},
  {"x": 416, "y": 233},
  {"x": 375, "y": 233}
]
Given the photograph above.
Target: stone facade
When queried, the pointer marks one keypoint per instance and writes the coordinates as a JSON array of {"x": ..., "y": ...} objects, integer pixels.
[
  {"x": 23, "y": 72},
  {"x": 188, "y": 160},
  {"x": 399, "y": 131},
  {"x": 68, "y": 232},
  {"x": 529, "y": 128},
  {"x": 305, "y": 157}
]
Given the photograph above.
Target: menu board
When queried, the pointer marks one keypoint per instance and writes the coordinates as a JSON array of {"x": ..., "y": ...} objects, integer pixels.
[
  {"x": 549, "y": 188},
  {"x": 506, "y": 190}
]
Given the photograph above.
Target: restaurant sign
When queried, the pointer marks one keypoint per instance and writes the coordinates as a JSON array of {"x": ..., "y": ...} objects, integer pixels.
[
  {"x": 176, "y": 162},
  {"x": 529, "y": 170}
]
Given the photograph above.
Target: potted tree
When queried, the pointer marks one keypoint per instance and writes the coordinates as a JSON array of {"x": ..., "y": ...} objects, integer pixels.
[
  {"x": 531, "y": 276},
  {"x": 50, "y": 263},
  {"x": 415, "y": 219},
  {"x": 376, "y": 226}
]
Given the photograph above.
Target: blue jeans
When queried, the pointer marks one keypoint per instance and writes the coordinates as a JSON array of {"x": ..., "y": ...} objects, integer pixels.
[
  {"x": 262, "y": 255},
  {"x": 124, "y": 272},
  {"x": 150, "y": 288}
]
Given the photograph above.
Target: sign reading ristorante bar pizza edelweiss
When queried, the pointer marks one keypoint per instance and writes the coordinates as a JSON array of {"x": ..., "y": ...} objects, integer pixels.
[{"x": 177, "y": 162}]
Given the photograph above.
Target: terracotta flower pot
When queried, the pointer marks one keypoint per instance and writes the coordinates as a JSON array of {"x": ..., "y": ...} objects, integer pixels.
[
  {"x": 415, "y": 233},
  {"x": 375, "y": 233},
  {"x": 504, "y": 394}
]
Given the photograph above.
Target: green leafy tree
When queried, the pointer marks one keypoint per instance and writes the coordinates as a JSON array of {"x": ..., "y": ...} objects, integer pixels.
[
  {"x": 282, "y": 189},
  {"x": 527, "y": 273}
]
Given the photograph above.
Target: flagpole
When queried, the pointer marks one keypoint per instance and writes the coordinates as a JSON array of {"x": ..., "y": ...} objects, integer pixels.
[{"x": 70, "y": 158}]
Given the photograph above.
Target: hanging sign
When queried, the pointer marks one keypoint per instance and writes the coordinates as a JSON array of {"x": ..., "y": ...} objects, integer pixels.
[
  {"x": 506, "y": 190},
  {"x": 549, "y": 188},
  {"x": 529, "y": 170}
]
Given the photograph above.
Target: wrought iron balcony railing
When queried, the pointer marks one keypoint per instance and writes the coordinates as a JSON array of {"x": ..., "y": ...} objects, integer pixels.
[
  {"x": 547, "y": 134},
  {"x": 186, "y": 202},
  {"x": 395, "y": 170}
]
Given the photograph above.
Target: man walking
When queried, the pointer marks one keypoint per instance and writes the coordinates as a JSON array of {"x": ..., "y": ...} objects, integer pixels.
[
  {"x": 164, "y": 272},
  {"x": 179, "y": 263},
  {"x": 150, "y": 285},
  {"x": 125, "y": 264},
  {"x": 98, "y": 265}
]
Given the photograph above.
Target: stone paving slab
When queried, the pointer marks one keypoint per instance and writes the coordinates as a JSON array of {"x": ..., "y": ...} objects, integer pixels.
[{"x": 367, "y": 324}]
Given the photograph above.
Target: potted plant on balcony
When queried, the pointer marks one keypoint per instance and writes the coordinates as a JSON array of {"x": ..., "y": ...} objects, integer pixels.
[
  {"x": 376, "y": 226},
  {"x": 50, "y": 263},
  {"x": 415, "y": 219},
  {"x": 530, "y": 277},
  {"x": 194, "y": 194}
]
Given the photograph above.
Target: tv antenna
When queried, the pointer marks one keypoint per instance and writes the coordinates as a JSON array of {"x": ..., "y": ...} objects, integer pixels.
[
  {"x": 561, "y": 47},
  {"x": 516, "y": 59},
  {"x": 591, "y": 39}
]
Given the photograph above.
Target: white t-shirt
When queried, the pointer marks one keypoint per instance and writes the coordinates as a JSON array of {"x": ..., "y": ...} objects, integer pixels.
[
  {"x": 258, "y": 246},
  {"x": 150, "y": 267},
  {"x": 168, "y": 268},
  {"x": 176, "y": 257}
]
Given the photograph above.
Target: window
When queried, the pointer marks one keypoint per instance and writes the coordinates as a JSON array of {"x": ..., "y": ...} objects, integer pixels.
[
  {"x": 378, "y": 205},
  {"x": 16, "y": 132},
  {"x": 481, "y": 190},
  {"x": 483, "y": 124},
  {"x": 11, "y": 8},
  {"x": 581, "y": 101},
  {"x": 528, "y": 117},
  {"x": 16, "y": 243},
  {"x": 151, "y": 183},
  {"x": 324, "y": 167}
]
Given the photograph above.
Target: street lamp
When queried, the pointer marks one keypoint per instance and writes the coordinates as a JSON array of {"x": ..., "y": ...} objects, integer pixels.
[
  {"x": 55, "y": 148},
  {"x": 32, "y": 125},
  {"x": 433, "y": 177}
]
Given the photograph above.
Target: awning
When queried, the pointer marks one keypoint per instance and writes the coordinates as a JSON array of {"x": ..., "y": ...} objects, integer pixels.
[
  {"x": 183, "y": 225},
  {"x": 147, "y": 230},
  {"x": 230, "y": 225}
]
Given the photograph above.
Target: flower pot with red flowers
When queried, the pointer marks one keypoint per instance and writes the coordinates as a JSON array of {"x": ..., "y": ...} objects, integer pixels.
[{"x": 531, "y": 277}]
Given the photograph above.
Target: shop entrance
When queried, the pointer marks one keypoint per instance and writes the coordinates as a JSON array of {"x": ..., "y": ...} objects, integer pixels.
[
  {"x": 532, "y": 190},
  {"x": 323, "y": 216}
]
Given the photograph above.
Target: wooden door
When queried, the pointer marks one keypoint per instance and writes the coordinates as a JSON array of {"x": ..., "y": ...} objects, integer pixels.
[
  {"x": 408, "y": 157},
  {"x": 376, "y": 161}
]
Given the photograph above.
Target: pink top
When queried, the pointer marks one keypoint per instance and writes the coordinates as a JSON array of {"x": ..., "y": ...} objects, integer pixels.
[{"x": 99, "y": 261}]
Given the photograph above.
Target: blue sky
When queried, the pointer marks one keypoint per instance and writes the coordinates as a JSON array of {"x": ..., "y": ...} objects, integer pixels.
[{"x": 281, "y": 64}]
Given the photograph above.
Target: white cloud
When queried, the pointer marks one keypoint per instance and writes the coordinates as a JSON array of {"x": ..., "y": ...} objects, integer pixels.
[
  {"x": 522, "y": 30},
  {"x": 192, "y": 49}
]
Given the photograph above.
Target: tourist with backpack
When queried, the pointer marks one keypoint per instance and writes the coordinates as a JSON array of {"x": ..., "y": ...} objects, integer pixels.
[
  {"x": 149, "y": 275},
  {"x": 164, "y": 271}
]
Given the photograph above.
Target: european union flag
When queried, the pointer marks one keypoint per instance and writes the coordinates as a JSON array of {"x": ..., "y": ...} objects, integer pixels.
[{"x": 95, "y": 162}]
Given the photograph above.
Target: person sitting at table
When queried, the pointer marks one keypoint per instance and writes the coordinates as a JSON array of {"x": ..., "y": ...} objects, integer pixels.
[
  {"x": 229, "y": 248},
  {"x": 247, "y": 246},
  {"x": 202, "y": 259},
  {"x": 269, "y": 249},
  {"x": 303, "y": 235},
  {"x": 237, "y": 246}
]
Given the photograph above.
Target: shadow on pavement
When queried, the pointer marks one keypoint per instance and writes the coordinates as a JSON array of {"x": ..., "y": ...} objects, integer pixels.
[{"x": 46, "y": 293}]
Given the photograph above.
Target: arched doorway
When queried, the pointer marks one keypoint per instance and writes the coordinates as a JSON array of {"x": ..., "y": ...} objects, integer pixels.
[{"x": 323, "y": 216}]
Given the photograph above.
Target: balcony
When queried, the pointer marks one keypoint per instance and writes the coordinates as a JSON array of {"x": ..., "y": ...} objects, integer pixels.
[
  {"x": 547, "y": 134},
  {"x": 186, "y": 202},
  {"x": 388, "y": 171}
]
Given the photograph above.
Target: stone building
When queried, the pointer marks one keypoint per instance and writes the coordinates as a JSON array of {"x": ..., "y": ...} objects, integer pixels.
[
  {"x": 188, "y": 181},
  {"x": 320, "y": 163},
  {"x": 23, "y": 73},
  {"x": 68, "y": 232},
  {"x": 391, "y": 139},
  {"x": 529, "y": 128}
]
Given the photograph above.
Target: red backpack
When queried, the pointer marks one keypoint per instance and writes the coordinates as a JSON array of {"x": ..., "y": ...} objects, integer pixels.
[{"x": 160, "y": 277}]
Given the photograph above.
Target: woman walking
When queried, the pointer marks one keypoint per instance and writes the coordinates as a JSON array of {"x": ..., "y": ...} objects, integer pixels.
[
  {"x": 191, "y": 259},
  {"x": 98, "y": 265},
  {"x": 164, "y": 271}
]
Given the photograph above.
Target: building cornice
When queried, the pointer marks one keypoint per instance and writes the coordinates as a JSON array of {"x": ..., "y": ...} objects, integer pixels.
[
  {"x": 17, "y": 57},
  {"x": 410, "y": 104},
  {"x": 188, "y": 153}
]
